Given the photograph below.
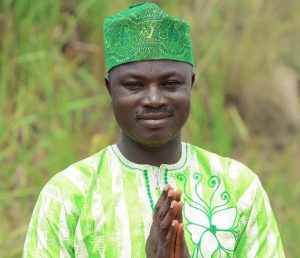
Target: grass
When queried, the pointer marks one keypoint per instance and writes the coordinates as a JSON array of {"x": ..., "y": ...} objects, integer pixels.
[{"x": 54, "y": 109}]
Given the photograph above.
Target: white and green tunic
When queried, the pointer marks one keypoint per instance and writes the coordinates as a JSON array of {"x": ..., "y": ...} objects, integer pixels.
[{"x": 102, "y": 207}]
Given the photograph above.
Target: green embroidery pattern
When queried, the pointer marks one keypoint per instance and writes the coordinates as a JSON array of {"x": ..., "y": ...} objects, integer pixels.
[
  {"x": 211, "y": 225},
  {"x": 146, "y": 177},
  {"x": 148, "y": 189}
]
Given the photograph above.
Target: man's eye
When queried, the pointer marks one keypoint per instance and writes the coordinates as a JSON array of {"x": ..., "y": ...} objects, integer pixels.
[
  {"x": 133, "y": 85},
  {"x": 171, "y": 84}
]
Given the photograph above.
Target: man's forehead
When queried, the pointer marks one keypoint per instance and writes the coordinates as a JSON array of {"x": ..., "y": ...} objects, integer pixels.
[{"x": 161, "y": 68}]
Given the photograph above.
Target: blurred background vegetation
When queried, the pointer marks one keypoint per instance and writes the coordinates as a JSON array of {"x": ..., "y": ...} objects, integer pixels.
[{"x": 54, "y": 109}]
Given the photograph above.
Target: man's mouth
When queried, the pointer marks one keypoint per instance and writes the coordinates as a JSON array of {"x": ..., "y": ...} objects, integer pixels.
[
  {"x": 154, "y": 116},
  {"x": 154, "y": 120}
]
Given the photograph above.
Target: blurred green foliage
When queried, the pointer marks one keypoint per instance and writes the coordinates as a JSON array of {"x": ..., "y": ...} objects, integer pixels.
[{"x": 54, "y": 109}]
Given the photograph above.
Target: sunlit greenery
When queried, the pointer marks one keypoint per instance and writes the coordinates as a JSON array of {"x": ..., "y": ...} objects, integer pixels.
[{"x": 54, "y": 108}]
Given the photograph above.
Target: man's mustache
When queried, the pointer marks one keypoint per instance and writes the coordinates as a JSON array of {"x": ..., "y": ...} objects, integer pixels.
[{"x": 147, "y": 111}]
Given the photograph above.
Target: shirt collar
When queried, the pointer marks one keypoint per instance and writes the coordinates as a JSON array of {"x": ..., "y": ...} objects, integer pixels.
[{"x": 178, "y": 166}]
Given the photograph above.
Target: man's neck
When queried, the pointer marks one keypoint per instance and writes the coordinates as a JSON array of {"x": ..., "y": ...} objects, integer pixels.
[{"x": 169, "y": 153}]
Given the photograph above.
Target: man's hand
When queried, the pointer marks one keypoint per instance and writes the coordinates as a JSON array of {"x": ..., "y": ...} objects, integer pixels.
[
  {"x": 181, "y": 249},
  {"x": 166, "y": 239}
]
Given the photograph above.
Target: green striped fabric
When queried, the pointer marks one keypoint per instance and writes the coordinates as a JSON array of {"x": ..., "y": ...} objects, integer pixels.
[{"x": 102, "y": 207}]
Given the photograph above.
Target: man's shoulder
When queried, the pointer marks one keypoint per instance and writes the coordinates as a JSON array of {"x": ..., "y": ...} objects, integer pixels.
[
  {"x": 75, "y": 180},
  {"x": 229, "y": 168},
  {"x": 238, "y": 180}
]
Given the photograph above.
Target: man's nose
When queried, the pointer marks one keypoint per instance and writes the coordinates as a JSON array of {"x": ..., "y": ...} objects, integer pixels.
[{"x": 153, "y": 97}]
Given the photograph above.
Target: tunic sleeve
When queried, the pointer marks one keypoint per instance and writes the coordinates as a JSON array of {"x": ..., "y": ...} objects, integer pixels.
[
  {"x": 52, "y": 227},
  {"x": 260, "y": 237}
]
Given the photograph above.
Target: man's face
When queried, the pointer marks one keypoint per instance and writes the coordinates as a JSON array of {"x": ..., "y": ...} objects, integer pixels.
[{"x": 151, "y": 99}]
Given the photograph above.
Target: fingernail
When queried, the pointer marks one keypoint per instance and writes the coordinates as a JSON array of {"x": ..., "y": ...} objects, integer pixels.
[
  {"x": 166, "y": 188},
  {"x": 174, "y": 223},
  {"x": 172, "y": 204}
]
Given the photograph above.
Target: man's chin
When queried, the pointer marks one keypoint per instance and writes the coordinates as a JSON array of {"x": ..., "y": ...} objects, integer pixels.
[{"x": 155, "y": 142}]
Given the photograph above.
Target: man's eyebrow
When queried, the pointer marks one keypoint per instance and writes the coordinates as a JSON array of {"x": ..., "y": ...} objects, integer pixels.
[
  {"x": 170, "y": 74},
  {"x": 134, "y": 75},
  {"x": 161, "y": 75}
]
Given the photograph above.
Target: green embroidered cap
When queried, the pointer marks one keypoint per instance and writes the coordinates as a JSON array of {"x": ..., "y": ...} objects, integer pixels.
[{"x": 145, "y": 32}]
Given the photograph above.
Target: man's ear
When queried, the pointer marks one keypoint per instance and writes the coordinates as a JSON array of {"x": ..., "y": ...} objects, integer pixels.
[
  {"x": 193, "y": 79},
  {"x": 107, "y": 84}
]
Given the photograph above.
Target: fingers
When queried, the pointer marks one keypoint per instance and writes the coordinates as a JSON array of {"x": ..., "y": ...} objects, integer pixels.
[
  {"x": 177, "y": 195},
  {"x": 166, "y": 205},
  {"x": 167, "y": 209},
  {"x": 179, "y": 212},
  {"x": 181, "y": 249},
  {"x": 161, "y": 200},
  {"x": 172, "y": 195},
  {"x": 170, "y": 238},
  {"x": 166, "y": 248},
  {"x": 166, "y": 220},
  {"x": 170, "y": 216},
  {"x": 179, "y": 236}
]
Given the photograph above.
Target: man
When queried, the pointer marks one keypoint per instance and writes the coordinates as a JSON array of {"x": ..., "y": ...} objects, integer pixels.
[{"x": 151, "y": 195}]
